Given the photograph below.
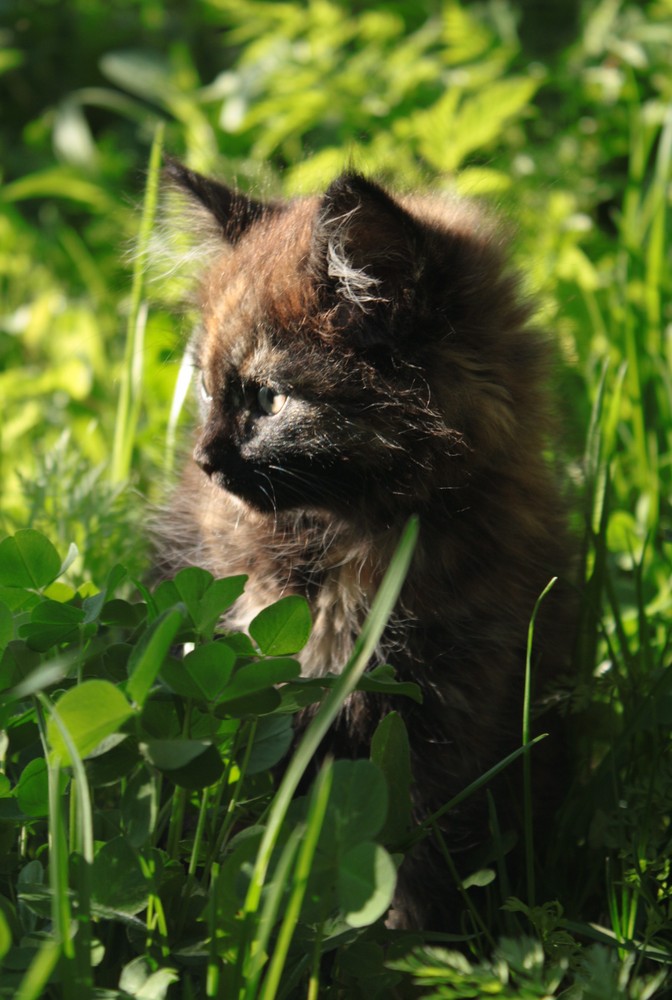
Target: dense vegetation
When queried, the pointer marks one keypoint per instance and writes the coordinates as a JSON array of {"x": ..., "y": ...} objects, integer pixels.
[{"x": 145, "y": 851}]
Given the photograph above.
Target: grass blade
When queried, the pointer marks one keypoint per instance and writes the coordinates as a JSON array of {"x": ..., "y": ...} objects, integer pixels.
[
  {"x": 130, "y": 389},
  {"x": 381, "y": 610}
]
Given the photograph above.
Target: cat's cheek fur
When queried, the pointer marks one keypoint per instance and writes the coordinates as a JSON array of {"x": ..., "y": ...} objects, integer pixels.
[{"x": 415, "y": 384}]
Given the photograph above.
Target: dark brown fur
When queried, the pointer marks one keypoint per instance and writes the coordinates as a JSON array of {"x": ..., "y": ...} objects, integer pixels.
[{"x": 415, "y": 385}]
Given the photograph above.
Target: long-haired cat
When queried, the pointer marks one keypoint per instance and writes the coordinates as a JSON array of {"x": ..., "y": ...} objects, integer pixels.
[{"x": 362, "y": 358}]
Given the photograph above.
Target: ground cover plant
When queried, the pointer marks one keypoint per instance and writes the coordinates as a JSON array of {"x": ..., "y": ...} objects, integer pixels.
[{"x": 148, "y": 848}]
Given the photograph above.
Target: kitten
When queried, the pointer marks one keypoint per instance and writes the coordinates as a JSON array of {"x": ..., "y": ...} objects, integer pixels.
[{"x": 363, "y": 358}]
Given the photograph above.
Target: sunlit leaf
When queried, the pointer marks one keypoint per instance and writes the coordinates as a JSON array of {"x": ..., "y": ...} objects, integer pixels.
[
  {"x": 366, "y": 882},
  {"x": 28, "y": 559},
  {"x": 283, "y": 627},
  {"x": 89, "y": 712}
]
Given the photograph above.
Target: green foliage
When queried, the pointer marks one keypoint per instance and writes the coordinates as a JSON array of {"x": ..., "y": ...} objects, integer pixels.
[
  {"x": 520, "y": 971},
  {"x": 143, "y": 766},
  {"x": 135, "y": 794}
]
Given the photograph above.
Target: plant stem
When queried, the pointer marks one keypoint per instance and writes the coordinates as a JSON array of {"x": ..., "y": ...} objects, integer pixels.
[{"x": 130, "y": 388}]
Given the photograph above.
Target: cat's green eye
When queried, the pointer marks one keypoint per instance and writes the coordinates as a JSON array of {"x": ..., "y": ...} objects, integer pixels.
[{"x": 270, "y": 401}]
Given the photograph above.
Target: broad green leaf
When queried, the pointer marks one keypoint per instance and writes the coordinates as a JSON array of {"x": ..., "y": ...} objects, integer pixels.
[
  {"x": 52, "y": 623},
  {"x": 90, "y": 712},
  {"x": 32, "y": 790},
  {"x": 210, "y": 667},
  {"x": 480, "y": 878},
  {"x": 59, "y": 591},
  {"x": 357, "y": 806},
  {"x": 256, "y": 703},
  {"x": 118, "y": 612},
  {"x": 121, "y": 758},
  {"x": 256, "y": 676},
  {"x": 383, "y": 680},
  {"x": 149, "y": 654},
  {"x": 138, "y": 980},
  {"x": 366, "y": 882},
  {"x": 18, "y": 599},
  {"x": 202, "y": 673},
  {"x": 188, "y": 587},
  {"x": 241, "y": 644},
  {"x": 283, "y": 628},
  {"x": 390, "y": 750},
  {"x": 174, "y": 674},
  {"x": 188, "y": 763},
  {"x": 55, "y": 613},
  {"x": 205, "y": 598},
  {"x": 117, "y": 879},
  {"x": 296, "y": 695},
  {"x": 272, "y": 739},
  {"x": 218, "y": 598},
  {"x": 28, "y": 559}
]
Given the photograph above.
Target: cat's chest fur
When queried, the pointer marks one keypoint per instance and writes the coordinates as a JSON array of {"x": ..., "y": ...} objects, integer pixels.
[{"x": 337, "y": 573}]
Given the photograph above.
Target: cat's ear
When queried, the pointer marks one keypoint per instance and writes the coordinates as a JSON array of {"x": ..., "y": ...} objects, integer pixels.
[
  {"x": 366, "y": 247},
  {"x": 231, "y": 211}
]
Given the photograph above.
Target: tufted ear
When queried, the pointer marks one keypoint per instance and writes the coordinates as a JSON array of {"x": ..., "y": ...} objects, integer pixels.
[
  {"x": 231, "y": 211},
  {"x": 366, "y": 247}
]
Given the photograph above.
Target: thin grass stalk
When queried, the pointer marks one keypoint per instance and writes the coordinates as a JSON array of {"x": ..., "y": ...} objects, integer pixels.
[
  {"x": 599, "y": 449},
  {"x": 130, "y": 387},
  {"x": 500, "y": 860},
  {"x": 61, "y": 915},
  {"x": 477, "y": 920},
  {"x": 273, "y": 899},
  {"x": 295, "y": 975},
  {"x": 38, "y": 973},
  {"x": 316, "y": 812},
  {"x": 423, "y": 829},
  {"x": 527, "y": 757},
  {"x": 156, "y": 917},
  {"x": 177, "y": 812},
  {"x": 656, "y": 209},
  {"x": 635, "y": 381},
  {"x": 365, "y": 646},
  {"x": 641, "y": 138},
  {"x": 230, "y": 816},
  {"x": 212, "y": 975},
  {"x": 85, "y": 849},
  {"x": 198, "y": 836},
  {"x": 314, "y": 980}
]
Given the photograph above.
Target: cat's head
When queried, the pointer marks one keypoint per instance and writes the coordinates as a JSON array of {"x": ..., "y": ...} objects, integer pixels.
[{"x": 355, "y": 350}]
